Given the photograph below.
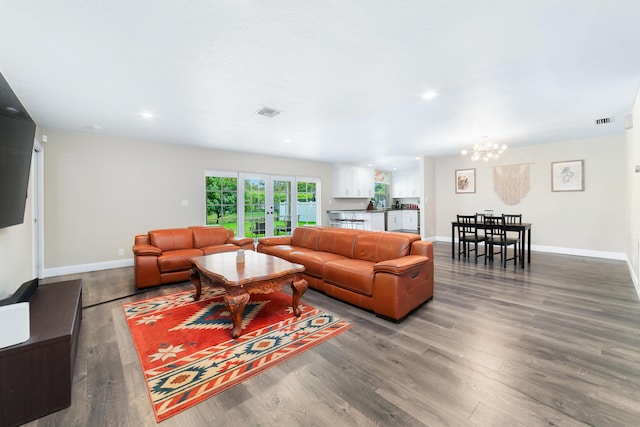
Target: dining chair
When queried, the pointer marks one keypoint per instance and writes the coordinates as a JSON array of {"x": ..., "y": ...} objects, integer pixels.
[
  {"x": 495, "y": 228},
  {"x": 480, "y": 220},
  {"x": 468, "y": 235}
]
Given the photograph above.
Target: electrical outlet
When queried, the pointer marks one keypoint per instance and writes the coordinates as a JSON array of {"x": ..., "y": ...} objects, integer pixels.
[{"x": 120, "y": 252}]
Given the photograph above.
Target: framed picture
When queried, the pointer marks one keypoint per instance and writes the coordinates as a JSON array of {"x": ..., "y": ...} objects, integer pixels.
[
  {"x": 465, "y": 181},
  {"x": 567, "y": 176}
]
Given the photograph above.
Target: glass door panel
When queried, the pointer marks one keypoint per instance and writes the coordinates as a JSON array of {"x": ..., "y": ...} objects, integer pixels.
[
  {"x": 307, "y": 209},
  {"x": 257, "y": 218},
  {"x": 282, "y": 207}
]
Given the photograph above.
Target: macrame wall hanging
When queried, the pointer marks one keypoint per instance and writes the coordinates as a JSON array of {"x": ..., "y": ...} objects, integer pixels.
[{"x": 511, "y": 182}]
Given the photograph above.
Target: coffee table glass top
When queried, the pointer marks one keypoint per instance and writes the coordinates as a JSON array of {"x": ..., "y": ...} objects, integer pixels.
[{"x": 256, "y": 266}]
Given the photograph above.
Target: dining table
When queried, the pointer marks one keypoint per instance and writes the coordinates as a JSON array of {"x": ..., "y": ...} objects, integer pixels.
[{"x": 524, "y": 230}]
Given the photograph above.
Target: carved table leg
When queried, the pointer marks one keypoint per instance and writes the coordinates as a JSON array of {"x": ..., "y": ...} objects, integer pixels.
[
  {"x": 298, "y": 287},
  {"x": 195, "y": 279},
  {"x": 236, "y": 304}
]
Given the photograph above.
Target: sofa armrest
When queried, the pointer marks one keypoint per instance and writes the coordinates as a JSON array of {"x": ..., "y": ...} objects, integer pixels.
[
  {"x": 141, "y": 239},
  {"x": 400, "y": 266},
  {"x": 145, "y": 249},
  {"x": 273, "y": 241},
  {"x": 422, "y": 247}
]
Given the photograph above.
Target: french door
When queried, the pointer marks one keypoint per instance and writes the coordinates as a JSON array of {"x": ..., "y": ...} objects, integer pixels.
[
  {"x": 255, "y": 205},
  {"x": 265, "y": 208}
]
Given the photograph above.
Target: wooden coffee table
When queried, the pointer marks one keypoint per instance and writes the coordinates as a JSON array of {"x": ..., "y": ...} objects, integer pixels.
[{"x": 260, "y": 273}]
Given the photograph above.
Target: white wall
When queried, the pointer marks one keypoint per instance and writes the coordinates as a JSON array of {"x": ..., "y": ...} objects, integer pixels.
[
  {"x": 633, "y": 193},
  {"x": 101, "y": 191},
  {"x": 428, "y": 198},
  {"x": 590, "y": 222}
]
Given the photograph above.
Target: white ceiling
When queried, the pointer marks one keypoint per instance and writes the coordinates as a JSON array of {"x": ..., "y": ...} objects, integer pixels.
[{"x": 347, "y": 75}]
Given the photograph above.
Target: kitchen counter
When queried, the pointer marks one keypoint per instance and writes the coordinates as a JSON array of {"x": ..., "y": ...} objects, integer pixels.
[
  {"x": 372, "y": 210},
  {"x": 389, "y": 219}
]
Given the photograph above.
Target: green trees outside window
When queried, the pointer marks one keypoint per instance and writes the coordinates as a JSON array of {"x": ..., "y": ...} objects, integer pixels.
[{"x": 222, "y": 201}]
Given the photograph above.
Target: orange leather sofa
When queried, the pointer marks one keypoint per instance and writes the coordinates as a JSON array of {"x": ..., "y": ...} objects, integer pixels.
[
  {"x": 162, "y": 256},
  {"x": 387, "y": 273}
]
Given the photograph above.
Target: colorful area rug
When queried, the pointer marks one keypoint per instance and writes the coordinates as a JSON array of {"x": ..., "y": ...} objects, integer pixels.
[{"x": 188, "y": 355}]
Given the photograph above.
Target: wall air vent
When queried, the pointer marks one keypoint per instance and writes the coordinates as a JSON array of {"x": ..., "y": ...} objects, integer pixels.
[
  {"x": 603, "y": 121},
  {"x": 268, "y": 112}
]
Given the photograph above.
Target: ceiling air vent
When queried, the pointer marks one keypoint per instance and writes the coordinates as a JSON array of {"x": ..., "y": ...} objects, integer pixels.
[
  {"x": 268, "y": 112},
  {"x": 603, "y": 121}
]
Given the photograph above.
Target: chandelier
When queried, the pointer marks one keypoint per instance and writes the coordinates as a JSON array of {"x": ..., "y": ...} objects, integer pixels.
[{"x": 486, "y": 152}]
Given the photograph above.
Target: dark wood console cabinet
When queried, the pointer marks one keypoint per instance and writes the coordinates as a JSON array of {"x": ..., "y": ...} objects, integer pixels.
[{"x": 36, "y": 376}]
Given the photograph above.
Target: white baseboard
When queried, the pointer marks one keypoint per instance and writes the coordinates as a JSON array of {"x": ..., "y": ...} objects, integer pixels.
[
  {"x": 579, "y": 252},
  {"x": 84, "y": 268},
  {"x": 566, "y": 251}
]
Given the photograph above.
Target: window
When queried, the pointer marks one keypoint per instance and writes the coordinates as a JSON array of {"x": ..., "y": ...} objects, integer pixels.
[
  {"x": 381, "y": 195},
  {"x": 307, "y": 206},
  {"x": 222, "y": 201}
]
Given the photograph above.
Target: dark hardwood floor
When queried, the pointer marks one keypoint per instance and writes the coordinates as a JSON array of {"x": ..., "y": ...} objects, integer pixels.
[{"x": 555, "y": 344}]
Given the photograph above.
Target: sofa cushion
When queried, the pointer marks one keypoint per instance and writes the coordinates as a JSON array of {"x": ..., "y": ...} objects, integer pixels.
[
  {"x": 216, "y": 249},
  {"x": 355, "y": 275},
  {"x": 378, "y": 247},
  {"x": 337, "y": 241},
  {"x": 282, "y": 251},
  {"x": 306, "y": 237},
  {"x": 171, "y": 239},
  {"x": 210, "y": 236},
  {"x": 177, "y": 260},
  {"x": 313, "y": 261}
]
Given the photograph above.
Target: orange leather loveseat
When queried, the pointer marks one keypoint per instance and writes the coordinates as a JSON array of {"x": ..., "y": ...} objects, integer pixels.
[
  {"x": 387, "y": 273},
  {"x": 162, "y": 256}
]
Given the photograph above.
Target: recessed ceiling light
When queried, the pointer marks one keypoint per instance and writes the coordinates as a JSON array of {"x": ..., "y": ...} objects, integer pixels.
[
  {"x": 288, "y": 140},
  {"x": 146, "y": 115},
  {"x": 96, "y": 127},
  {"x": 429, "y": 95}
]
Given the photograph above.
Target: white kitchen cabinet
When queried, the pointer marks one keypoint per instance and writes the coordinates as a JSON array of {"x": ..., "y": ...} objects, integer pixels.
[
  {"x": 394, "y": 220},
  {"x": 377, "y": 221},
  {"x": 352, "y": 182},
  {"x": 405, "y": 184},
  {"x": 410, "y": 220}
]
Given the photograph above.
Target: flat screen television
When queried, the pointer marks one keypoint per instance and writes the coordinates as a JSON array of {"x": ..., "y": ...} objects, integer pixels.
[{"x": 17, "y": 132}]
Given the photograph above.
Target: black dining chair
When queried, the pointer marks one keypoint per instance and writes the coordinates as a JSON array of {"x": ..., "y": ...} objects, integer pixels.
[
  {"x": 495, "y": 228},
  {"x": 468, "y": 235},
  {"x": 480, "y": 220}
]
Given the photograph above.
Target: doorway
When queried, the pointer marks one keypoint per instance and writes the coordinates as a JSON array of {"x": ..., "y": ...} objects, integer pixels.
[{"x": 267, "y": 208}]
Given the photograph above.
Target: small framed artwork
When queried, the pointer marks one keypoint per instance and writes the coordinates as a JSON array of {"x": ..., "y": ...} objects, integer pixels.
[
  {"x": 465, "y": 181},
  {"x": 567, "y": 176}
]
